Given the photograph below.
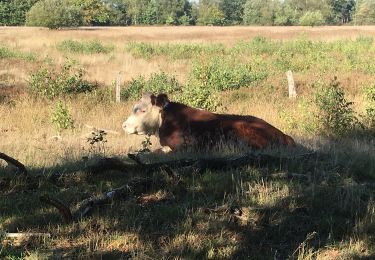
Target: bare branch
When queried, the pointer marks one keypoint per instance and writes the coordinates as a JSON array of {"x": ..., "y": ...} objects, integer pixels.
[
  {"x": 21, "y": 168},
  {"x": 64, "y": 210}
]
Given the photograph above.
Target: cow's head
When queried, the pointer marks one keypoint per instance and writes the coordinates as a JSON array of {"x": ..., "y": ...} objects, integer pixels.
[{"x": 145, "y": 117}]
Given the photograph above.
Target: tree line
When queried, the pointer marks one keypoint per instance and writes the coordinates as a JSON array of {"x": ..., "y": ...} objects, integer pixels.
[{"x": 60, "y": 13}]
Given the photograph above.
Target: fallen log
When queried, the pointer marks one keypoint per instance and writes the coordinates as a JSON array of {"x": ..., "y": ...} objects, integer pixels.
[
  {"x": 21, "y": 168},
  {"x": 137, "y": 185},
  {"x": 64, "y": 210},
  {"x": 107, "y": 164},
  {"x": 199, "y": 165}
]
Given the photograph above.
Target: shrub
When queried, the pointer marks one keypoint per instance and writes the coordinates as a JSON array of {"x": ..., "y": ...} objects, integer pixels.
[
  {"x": 369, "y": 118},
  {"x": 54, "y": 14},
  {"x": 312, "y": 18},
  {"x": 199, "y": 96},
  {"x": 61, "y": 118},
  {"x": 173, "y": 51},
  {"x": 224, "y": 73},
  {"x": 86, "y": 47},
  {"x": 157, "y": 83},
  {"x": 335, "y": 115},
  {"x": 51, "y": 82}
]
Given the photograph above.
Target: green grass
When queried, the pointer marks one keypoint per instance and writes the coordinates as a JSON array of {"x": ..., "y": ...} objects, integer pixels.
[
  {"x": 287, "y": 217},
  {"x": 84, "y": 47},
  {"x": 173, "y": 51},
  {"x": 319, "y": 207},
  {"x": 6, "y": 52}
]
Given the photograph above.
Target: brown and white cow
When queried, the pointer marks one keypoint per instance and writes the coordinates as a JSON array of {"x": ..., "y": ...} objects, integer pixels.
[{"x": 178, "y": 125}]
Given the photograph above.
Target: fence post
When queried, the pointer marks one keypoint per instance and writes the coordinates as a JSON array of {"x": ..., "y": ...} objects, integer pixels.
[
  {"x": 118, "y": 87},
  {"x": 291, "y": 86}
]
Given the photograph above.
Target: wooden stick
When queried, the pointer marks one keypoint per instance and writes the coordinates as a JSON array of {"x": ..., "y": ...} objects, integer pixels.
[
  {"x": 137, "y": 185},
  {"x": 64, "y": 210},
  {"x": 109, "y": 131},
  {"x": 291, "y": 86},
  {"x": 26, "y": 235},
  {"x": 21, "y": 168}
]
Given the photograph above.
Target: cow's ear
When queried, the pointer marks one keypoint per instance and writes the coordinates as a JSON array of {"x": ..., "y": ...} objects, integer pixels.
[
  {"x": 149, "y": 97},
  {"x": 153, "y": 99},
  {"x": 162, "y": 100}
]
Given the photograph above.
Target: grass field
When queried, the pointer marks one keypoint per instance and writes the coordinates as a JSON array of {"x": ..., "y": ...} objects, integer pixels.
[{"x": 326, "y": 211}]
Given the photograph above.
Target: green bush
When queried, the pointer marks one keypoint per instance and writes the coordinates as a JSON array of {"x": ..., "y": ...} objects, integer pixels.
[
  {"x": 198, "y": 96},
  {"x": 335, "y": 115},
  {"x": 157, "y": 83},
  {"x": 61, "y": 118},
  {"x": 85, "y": 47},
  {"x": 52, "y": 82},
  {"x": 54, "y": 14},
  {"x": 369, "y": 118},
  {"x": 173, "y": 51},
  {"x": 224, "y": 73},
  {"x": 312, "y": 18}
]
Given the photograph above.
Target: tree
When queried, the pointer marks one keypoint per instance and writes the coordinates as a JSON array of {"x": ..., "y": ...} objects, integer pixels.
[
  {"x": 301, "y": 7},
  {"x": 54, "y": 14},
  {"x": 233, "y": 10},
  {"x": 260, "y": 12},
  {"x": 94, "y": 12},
  {"x": 286, "y": 15},
  {"x": 209, "y": 13},
  {"x": 365, "y": 13},
  {"x": 312, "y": 18},
  {"x": 342, "y": 11},
  {"x": 13, "y": 12},
  {"x": 142, "y": 11},
  {"x": 172, "y": 10}
]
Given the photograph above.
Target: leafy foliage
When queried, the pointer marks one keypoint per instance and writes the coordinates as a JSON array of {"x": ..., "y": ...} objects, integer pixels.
[
  {"x": 54, "y": 14},
  {"x": 204, "y": 12},
  {"x": 224, "y": 73},
  {"x": 61, "y": 118},
  {"x": 86, "y": 47},
  {"x": 6, "y": 52},
  {"x": 173, "y": 51},
  {"x": 259, "y": 12},
  {"x": 52, "y": 82},
  {"x": 199, "y": 96},
  {"x": 365, "y": 12},
  {"x": 157, "y": 83},
  {"x": 335, "y": 115},
  {"x": 97, "y": 141},
  {"x": 369, "y": 118},
  {"x": 312, "y": 19}
]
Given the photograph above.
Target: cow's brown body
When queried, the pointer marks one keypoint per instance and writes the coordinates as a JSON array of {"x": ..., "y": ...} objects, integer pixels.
[
  {"x": 185, "y": 125},
  {"x": 178, "y": 125}
]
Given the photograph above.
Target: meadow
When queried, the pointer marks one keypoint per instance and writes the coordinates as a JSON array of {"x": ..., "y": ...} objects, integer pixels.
[{"x": 56, "y": 86}]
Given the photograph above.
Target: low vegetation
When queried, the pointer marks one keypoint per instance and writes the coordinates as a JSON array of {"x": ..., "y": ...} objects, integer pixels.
[
  {"x": 50, "y": 82},
  {"x": 6, "y": 53},
  {"x": 84, "y": 47},
  {"x": 317, "y": 204}
]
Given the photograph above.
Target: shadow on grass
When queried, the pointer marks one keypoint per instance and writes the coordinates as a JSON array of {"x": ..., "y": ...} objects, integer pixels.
[{"x": 284, "y": 211}]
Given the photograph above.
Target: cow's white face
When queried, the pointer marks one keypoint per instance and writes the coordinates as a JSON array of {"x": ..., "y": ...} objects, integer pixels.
[{"x": 145, "y": 118}]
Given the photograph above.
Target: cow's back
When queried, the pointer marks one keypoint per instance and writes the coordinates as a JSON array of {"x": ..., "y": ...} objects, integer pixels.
[{"x": 185, "y": 125}]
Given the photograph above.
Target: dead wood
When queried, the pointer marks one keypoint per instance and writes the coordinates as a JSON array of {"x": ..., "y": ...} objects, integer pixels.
[
  {"x": 26, "y": 235},
  {"x": 107, "y": 164},
  {"x": 135, "y": 186},
  {"x": 21, "y": 168},
  {"x": 64, "y": 210},
  {"x": 199, "y": 165},
  {"x": 92, "y": 128}
]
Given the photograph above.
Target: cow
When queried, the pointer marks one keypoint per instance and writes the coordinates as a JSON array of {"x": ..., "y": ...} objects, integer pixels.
[{"x": 178, "y": 125}]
